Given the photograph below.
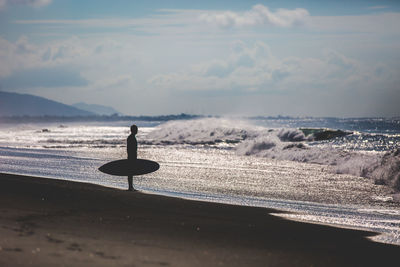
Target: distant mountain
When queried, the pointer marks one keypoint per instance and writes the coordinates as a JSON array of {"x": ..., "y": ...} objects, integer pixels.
[
  {"x": 13, "y": 104},
  {"x": 97, "y": 109}
]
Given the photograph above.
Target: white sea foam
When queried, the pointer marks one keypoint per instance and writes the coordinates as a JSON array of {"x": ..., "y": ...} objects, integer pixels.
[
  {"x": 202, "y": 131},
  {"x": 384, "y": 168},
  {"x": 282, "y": 144}
]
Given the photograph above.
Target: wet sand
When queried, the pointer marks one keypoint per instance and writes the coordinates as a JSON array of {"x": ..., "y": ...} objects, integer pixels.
[{"x": 46, "y": 222}]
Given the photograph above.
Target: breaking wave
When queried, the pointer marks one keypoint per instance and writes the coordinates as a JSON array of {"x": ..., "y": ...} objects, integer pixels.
[
  {"x": 208, "y": 131},
  {"x": 301, "y": 145},
  {"x": 383, "y": 167}
]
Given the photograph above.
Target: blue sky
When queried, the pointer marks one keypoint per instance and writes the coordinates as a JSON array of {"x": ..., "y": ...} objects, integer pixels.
[{"x": 298, "y": 58}]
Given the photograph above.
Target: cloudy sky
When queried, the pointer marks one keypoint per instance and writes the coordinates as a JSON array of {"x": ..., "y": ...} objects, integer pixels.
[{"x": 298, "y": 58}]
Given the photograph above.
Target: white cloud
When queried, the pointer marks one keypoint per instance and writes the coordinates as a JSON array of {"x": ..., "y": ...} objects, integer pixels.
[
  {"x": 325, "y": 84},
  {"x": 18, "y": 55},
  {"x": 262, "y": 72},
  {"x": 99, "y": 61},
  {"x": 259, "y": 15},
  {"x": 94, "y": 70},
  {"x": 191, "y": 23},
  {"x": 22, "y": 54},
  {"x": 34, "y": 3},
  {"x": 174, "y": 57},
  {"x": 241, "y": 70}
]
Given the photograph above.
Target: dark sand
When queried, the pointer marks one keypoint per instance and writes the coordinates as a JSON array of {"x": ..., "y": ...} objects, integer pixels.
[{"x": 46, "y": 222}]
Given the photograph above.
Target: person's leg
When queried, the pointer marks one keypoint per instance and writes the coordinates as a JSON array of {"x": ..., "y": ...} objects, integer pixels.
[{"x": 130, "y": 178}]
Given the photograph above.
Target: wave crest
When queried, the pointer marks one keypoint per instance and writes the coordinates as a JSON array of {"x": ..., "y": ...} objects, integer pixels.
[
  {"x": 282, "y": 144},
  {"x": 202, "y": 131},
  {"x": 383, "y": 168}
]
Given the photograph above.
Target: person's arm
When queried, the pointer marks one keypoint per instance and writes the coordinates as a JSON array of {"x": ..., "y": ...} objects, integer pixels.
[{"x": 136, "y": 147}]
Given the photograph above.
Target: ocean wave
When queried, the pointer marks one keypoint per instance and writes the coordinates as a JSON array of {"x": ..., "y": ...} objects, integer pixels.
[
  {"x": 301, "y": 145},
  {"x": 320, "y": 134},
  {"x": 383, "y": 168},
  {"x": 207, "y": 131},
  {"x": 218, "y": 130}
]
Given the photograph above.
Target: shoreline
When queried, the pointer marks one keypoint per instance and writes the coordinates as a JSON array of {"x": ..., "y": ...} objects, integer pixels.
[{"x": 45, "y": 222}]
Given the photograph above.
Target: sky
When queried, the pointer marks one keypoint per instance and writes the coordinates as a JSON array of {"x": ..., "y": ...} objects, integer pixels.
[{"x": 267, "y": 58}]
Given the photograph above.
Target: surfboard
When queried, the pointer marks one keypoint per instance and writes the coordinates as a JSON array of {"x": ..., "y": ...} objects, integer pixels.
[{"x": 124, "y": 167}]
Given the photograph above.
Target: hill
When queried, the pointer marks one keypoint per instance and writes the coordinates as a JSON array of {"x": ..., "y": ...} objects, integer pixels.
[{"x": 13, "y": 104}]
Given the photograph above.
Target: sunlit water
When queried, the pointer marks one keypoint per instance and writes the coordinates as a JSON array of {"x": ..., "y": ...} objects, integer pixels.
[{"x": 211, "y": 170}]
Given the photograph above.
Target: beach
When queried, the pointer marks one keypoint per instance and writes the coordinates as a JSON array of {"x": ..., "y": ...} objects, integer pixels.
[
  {"x": 47, "y": 222},
  {"x": 262, "y": 133}
]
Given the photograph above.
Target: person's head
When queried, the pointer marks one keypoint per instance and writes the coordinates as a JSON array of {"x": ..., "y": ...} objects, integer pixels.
[{"x": 134, "y": 129}]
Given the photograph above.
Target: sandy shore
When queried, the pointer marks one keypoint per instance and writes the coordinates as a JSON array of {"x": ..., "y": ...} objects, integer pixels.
[{"x": 46, "y": 222}]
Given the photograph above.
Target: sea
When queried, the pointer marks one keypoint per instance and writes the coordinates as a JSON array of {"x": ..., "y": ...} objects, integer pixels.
[{"x": 331, "y": 171}]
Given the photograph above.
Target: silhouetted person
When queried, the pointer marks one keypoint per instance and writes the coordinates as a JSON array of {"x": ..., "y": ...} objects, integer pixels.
[{"x": 132, "y": 151}]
